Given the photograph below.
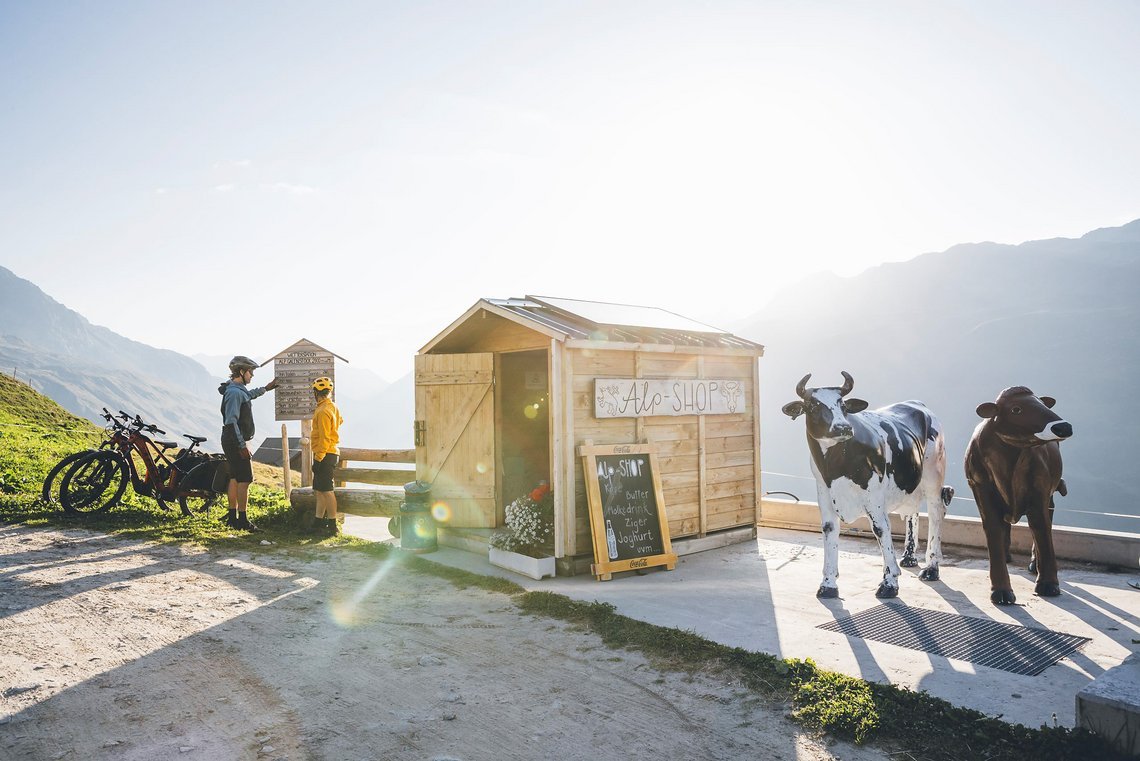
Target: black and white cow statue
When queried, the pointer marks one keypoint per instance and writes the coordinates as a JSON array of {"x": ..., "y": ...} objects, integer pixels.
[{"x": 873, "y": 463}]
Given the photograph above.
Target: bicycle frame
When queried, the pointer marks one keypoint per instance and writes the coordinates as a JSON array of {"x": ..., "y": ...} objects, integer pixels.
[
  {"x": 47, "y": 490},
  {"x": 160, "y": 477},
  {"x": 88, "y": 474}
]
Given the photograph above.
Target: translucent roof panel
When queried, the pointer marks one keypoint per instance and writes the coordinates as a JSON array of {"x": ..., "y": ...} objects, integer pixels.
[{"x": 602, "y": 313}]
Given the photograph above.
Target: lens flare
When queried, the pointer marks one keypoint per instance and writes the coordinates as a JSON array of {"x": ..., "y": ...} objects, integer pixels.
[
  {"x": 530, "y": 411},
  {"x": 441, "y": 511},
  {"x": 480, "y": 468},
  {"x": 346, "y": 612}
]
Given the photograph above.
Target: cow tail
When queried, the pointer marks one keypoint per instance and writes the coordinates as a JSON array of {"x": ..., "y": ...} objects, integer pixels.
[{"x": 947, "y": 495}]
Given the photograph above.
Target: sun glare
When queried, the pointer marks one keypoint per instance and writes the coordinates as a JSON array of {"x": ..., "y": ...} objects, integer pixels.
[{"x": 345, "y": 612}]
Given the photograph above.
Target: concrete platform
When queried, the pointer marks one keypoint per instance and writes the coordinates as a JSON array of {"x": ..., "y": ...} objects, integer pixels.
[
  {"x": 760, "y": 595},
  {"x": 1110, "y": 706}
]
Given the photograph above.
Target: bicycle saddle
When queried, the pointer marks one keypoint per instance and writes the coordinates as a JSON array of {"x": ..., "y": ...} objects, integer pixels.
[
  {"x": 166, "y": 444},
  {"x": 194, "y": 439}
]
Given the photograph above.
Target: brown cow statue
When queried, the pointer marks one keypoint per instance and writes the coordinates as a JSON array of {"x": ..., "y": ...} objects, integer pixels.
[{"x": 1013, "y": 466}]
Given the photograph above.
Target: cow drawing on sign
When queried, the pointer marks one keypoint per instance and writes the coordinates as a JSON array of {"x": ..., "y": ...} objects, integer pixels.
[
  {"x": 873, "y": 463},
  {"x": 610, "y": 406},
  {"x": 1013, "y": 466},
  {"x": 731, "y": 393}
]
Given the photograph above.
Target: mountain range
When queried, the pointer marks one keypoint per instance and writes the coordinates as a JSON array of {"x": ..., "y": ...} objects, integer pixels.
[
  {"x": 85, "y": 367},
  {"x": 954, "y": 328},
  {"x": 951, "y": 328}
]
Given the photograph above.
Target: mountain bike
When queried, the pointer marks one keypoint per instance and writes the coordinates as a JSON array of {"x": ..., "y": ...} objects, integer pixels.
[
  {"x": 97, "y": 481},
  {"x": 48, "y": 488}
]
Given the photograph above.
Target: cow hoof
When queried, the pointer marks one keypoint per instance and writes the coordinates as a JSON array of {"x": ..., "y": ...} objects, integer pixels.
[
  {"x": 929, "y": 574},
  {"x": 1003, "y": 597},
  {"x": 1032, "y": 566},
  {"x": 885, "y": 590},
  {"x": 1047, "y": 589},
  {"x": 909, "y": 562},
  {"x": 827, "y": 592}
]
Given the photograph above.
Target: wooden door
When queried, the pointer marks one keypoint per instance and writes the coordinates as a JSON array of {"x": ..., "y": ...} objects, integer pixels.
[{"x": 455, "y": 438}]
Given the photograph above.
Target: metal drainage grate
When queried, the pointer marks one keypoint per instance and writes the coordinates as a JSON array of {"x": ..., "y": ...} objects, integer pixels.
[{"x": 1019, "y": 649}]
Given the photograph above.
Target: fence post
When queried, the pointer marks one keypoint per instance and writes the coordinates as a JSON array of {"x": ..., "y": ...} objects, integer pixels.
[
  {"x": 285, "y": 461},
  {"x": 306, "y": 452}
]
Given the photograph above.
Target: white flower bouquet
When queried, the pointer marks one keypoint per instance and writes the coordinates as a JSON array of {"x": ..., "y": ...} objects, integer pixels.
[{"x": 530, "y": 524}]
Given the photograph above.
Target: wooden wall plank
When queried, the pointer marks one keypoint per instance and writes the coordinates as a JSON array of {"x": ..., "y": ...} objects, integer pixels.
[{"x": 723, "y": 453}]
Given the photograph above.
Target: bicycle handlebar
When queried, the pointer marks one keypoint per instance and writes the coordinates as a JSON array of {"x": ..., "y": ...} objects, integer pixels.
[{"x": 136, "y": 422}]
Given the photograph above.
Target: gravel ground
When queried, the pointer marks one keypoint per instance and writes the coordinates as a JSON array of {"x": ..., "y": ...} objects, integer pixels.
[{"x": 116, "y": 649}]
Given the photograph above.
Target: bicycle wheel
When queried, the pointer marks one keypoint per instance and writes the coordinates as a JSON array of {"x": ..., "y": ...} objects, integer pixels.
[
  {"x": 196, "y": 502},
  {"x": 49, "y": 482},
  {"x": 196, "y": 491},
  {"x": 94, "y": 484}
]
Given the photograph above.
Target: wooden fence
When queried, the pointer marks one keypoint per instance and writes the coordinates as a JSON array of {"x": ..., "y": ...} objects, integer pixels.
[
  {"x": 366, "y": 499},
  {"x": 374, "y": 476}
]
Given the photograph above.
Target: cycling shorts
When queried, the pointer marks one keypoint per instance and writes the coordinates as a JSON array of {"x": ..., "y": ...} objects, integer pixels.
[
  {"x": 323, "y": 472},
  {"x": 240, "y": 468}
]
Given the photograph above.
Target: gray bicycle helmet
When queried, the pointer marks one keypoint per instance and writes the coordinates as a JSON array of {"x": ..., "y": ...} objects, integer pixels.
[{"x": 240, "y": 362}]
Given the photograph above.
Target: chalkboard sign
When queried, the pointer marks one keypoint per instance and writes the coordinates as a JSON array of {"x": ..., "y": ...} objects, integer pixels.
[{"x": 627, "y": 514}]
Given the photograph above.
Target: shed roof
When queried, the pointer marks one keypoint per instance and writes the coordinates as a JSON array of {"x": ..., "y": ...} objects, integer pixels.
[
  {"x": 606, "y": 322},
  {"x": 269, "y": 452}
]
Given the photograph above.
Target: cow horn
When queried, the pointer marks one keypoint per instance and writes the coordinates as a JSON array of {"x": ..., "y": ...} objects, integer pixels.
[
  {"x": 848, "y": 384},
  {"x": 801, "y": 387}
]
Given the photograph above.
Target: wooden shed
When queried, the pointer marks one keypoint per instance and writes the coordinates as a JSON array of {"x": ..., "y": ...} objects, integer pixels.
[{"x": 510, "y": 389}]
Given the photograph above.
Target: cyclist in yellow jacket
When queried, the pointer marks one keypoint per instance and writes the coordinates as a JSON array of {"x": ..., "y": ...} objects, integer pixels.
[{"x": 326, "y": 454}]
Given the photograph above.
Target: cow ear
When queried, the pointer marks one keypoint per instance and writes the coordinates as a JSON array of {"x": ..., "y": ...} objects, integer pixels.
[
  {"x": 854, "y": 405},
  {"x": 793, "y": 409},
  {"x": 1048, "y": 401},
  {"x": 988, "y": 410}
]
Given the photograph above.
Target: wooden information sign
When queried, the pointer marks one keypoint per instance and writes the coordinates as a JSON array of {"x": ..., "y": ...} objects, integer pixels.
[
  {"x": 295, "y": 369},
  {"x": 627, "y": 513}
]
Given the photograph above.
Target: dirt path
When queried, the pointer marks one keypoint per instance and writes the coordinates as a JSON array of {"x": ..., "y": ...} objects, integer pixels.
[{"x": 123, "y": 650}]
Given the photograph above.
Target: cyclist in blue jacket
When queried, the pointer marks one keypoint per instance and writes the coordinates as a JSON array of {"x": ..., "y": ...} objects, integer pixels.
[{"x": 237, "y": 429}]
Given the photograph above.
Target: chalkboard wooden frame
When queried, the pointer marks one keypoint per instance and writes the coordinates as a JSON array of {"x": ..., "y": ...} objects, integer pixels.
[{"x": 603, "y": 567}]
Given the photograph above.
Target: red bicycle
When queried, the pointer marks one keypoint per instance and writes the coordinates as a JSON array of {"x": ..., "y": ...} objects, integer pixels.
[
  {"x": 47, "y": 492},
  {"x": 97, "y": 480}
]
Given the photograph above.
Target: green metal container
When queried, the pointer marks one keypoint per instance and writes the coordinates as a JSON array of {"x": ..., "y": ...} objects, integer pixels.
[{"x": 417, "y": 527}]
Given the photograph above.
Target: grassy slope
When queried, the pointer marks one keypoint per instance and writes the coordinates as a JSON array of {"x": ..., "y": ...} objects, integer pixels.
[{"x": 35, "y": 432}]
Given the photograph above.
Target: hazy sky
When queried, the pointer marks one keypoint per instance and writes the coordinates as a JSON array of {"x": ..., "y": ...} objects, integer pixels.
[{"x": 224, "y": 177}]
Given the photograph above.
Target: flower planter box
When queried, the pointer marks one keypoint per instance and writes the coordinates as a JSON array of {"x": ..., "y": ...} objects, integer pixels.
[{"x": 535, "y": 568}]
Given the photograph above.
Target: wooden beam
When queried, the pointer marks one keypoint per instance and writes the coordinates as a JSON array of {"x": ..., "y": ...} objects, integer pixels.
[
  {"x": 712, "y": 351},
  {"x": 307, "y": 452},
  {"x": 286, "y": 473},
  {"x": 377, "y": 455},
  {"x": 376, "y": 476},
  {"x": 758, "y": 506},
  {"x": 702, "y": 469},
  {"x": 356, "y": 501}
]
